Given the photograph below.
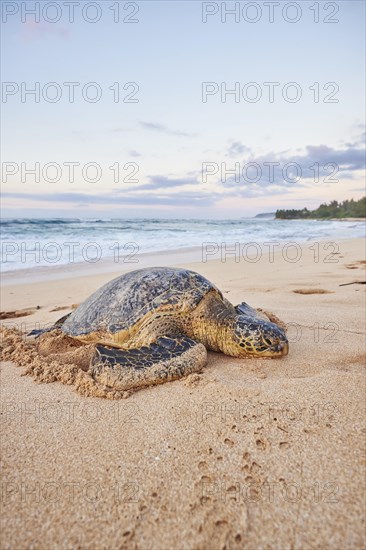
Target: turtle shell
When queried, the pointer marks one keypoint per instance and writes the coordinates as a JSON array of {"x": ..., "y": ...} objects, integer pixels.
[{"x": 122, "y": 302}]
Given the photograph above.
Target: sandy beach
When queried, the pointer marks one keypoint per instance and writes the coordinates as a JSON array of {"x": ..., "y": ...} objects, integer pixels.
[{"x": 250, "y": 453}]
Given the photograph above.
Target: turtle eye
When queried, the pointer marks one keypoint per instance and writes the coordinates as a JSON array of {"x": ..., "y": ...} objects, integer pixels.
[{"x": 262, "y": 348}]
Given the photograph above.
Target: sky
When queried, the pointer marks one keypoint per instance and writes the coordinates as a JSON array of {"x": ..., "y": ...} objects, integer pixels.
[{"x": 181, "y": 109}]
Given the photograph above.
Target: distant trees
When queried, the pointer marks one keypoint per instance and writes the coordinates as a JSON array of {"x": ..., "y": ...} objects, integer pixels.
[{"x": 345, "y": 209}]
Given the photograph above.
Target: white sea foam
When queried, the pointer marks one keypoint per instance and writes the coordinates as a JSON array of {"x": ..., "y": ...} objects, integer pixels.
[{"x": 28, "y": 243}]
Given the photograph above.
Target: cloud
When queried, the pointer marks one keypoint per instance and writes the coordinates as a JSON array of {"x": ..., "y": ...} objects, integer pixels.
[
  {"x": 134, "y": 153},
  {"x": 250, "y": 190},
  {"x": 163, "y": 129},
  {"x": 236, "y": 148},
  {"x": 359, "y": 141},
  {"x": 359, "y": 138},
  {"x": 351, "y": 158},
  {"x": 279, "y": 176},
  {"x": 159, "y": 182},
  {"x": 85, "y": 199},
  {"x": 319, "y": 164}
]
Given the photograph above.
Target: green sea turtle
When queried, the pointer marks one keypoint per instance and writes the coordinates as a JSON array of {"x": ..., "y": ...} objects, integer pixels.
[{"x": 154, "y": 325}]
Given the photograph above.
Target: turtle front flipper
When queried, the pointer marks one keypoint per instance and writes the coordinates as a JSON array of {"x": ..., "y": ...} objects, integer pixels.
[
  {"x": 253, "y": 314},
  {"x": 165, "y": 360},
  {"x": 250, "y": 312}
]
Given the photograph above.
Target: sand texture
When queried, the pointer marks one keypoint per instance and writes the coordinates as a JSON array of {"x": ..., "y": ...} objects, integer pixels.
[{"x": 248, "y": 454}]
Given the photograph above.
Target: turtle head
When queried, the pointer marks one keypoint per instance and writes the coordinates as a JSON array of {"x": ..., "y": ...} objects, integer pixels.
[{"x": 256, "y": 337}]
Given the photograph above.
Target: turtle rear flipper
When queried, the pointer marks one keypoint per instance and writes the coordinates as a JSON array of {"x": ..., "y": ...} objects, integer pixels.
[
  {"x": 166, "y": 359},
  {"x": 39, "y": 331}
]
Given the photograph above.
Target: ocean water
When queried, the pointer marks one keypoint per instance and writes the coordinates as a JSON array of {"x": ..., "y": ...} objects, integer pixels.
[{"x": 31, "y": 243}]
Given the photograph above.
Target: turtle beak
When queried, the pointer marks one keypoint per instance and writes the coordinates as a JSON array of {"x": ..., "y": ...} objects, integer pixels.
[
  {"x": 280, "y": 348},
  {"x": 285, "y": 348},
  {"x": 276, "y": 342}
]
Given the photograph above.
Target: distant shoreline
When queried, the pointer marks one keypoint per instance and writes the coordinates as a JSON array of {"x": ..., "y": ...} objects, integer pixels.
[
  {"x": 324, "y": 219},
  {"x": 348, "y": 210},
  {"x": 343, "y": 219}
]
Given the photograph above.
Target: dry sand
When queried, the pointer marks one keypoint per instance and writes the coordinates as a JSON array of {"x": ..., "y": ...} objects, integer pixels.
[{"x": 248, "y": 454}]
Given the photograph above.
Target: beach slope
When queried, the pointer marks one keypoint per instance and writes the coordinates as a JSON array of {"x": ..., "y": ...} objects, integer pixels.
[{"x": 247, "y": 454}]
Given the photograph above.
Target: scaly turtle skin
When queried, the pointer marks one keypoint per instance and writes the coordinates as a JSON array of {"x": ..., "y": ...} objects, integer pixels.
[{"x": 153, "y": 325}]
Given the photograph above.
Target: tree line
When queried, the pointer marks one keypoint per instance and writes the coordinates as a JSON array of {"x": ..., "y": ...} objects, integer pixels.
[{"x": 335, "y": 209}]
